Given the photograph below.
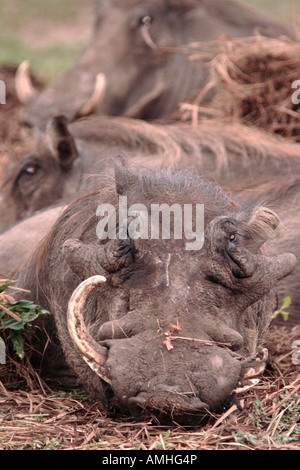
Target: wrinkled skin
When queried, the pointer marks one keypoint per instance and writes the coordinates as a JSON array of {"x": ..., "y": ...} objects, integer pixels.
[
  {"x": 220, "y": 296},
  {"x": 143, "y": 81},
  {"x": 59, "y": 168}
]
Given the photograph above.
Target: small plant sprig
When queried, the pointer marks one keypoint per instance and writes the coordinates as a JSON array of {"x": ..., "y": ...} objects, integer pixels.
[
  {"x": 16, "y": 317},
  {"x": 282, "y": 310}
]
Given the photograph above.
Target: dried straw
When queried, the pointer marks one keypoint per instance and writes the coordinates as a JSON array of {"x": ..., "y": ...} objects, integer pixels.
[
  {"x": 253, "y": 78},
  {"x": 39, "y": 417}
]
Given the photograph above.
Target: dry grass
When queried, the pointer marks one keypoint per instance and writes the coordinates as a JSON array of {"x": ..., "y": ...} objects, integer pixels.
[
  {"x": 253, "y": 78},
  {"x": 39, "y": 416}
]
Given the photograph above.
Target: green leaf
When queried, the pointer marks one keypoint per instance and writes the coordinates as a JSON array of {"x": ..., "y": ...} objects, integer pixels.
[
  {"x": 27, "y": 312},
  {"x": 4, "y": 286},
  {"x": 18, "y": 343},
  {"x": 12, "y": 324},
  {"x": 286, "y": 302},
  {"x": 21, "y": 305},
  {"x": 285, "y": 315}
]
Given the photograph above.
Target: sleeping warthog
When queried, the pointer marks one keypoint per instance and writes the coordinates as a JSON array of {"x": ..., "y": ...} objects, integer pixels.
[
  {"x": 164, "y": 327},
  {"x": 67, "y": 158},
  {"x": 17, "y": 242},
  {"x": 137, "y": 46}
]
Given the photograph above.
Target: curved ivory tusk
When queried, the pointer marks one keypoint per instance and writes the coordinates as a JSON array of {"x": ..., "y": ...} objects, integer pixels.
[
  {"x": 96, "y": 98},
  {"x": 93, "y": 353},
  {"x": 252, "y": 369},
  {"x": 246, "y": 386},
  {"x": 23, "y": 84}
]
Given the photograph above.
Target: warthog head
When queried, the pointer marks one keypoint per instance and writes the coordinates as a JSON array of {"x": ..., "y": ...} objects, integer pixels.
[
  {"x": 136, "y": 55},
  {"x": 166, "y": 327},
  {"x": 44, "y": 176}
]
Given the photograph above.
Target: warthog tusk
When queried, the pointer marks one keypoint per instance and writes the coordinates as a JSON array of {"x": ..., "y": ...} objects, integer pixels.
[
  {"x": 246, "y": 385},
  {"x": 93, "y": 353},
  {"x": 252, "y": 369},
  {"x": 96, "y": 97},
  {"x": 23, "y": 84}
]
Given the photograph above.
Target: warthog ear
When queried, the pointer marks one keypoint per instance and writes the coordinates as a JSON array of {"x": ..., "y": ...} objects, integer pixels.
[
  {"x": 62, "y": 144},
  {"x": 260, "y": 224},
  {"x": 123, "y": 176},
  {"x": 250, "y": 228}
]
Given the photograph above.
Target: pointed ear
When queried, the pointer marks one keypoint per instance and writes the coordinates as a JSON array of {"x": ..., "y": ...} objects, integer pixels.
[
  {"x": 261, "y": 223},
  {"x": 124, "y": 178},
  {"x": 61, "y": 142}
]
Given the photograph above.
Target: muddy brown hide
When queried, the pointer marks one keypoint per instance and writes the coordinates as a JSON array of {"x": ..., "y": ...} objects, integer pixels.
[
  {"x": 67, "y": 158},
  {"x": 212, "y": 305},
  {"x": 144, "y": 80}
]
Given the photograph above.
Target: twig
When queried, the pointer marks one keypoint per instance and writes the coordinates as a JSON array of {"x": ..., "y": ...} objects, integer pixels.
[
  {"x": 10, "y": 313},
  {"x": 202, "y": 341}
]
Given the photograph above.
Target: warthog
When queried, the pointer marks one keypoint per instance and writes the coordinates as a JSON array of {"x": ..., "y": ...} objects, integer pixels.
[
  {"x": 67, "y": 158},
  {"x": 138, "y": 46},
  {"x": 17, "y": 242},
  {"x": 151, "y": 323}
]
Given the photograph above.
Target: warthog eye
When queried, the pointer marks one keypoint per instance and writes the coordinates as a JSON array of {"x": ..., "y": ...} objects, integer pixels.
[
  {"x": 30, "y": 169},
  {"x": 233, "y": 239}
]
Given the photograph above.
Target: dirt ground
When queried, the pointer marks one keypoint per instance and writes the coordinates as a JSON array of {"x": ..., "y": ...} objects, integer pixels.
[{"x": 39, "y": 415}]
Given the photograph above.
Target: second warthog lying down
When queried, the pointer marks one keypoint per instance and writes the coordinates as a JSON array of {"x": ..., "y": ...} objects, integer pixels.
[
  {"x": 141, "y": 48},
  {"x": 152, "y": 324},
  {"x": 67, "y": 157}
]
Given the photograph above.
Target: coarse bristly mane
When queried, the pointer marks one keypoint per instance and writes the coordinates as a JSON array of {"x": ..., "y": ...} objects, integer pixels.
[
  {"x": 214, "y": 147},
  {"x": 232, "y": 143}
]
